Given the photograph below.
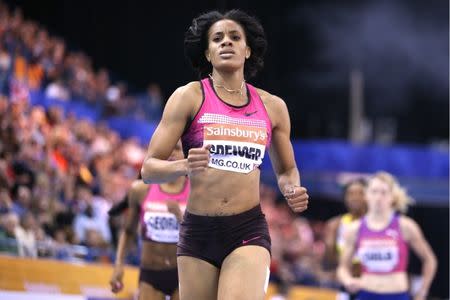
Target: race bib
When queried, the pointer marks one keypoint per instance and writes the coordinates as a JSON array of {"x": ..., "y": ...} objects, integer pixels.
[
  {"x": 379, "y": 255},
  {"x": 161, "y": 227},
  {"x": 237, "y": 148}
]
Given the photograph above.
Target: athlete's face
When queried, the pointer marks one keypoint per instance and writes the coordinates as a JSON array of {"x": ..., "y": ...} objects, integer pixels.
[
  {"x": 177, "y": 152},
  {"x": 227, "y": 46},
  {"x": 379, "y": 196},
  {"x": 355, "y": 198}
]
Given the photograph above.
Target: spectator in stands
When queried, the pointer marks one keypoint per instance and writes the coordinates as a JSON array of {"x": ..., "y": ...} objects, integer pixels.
[
  {"x": 5, "y": 69},
  {"x": 35, "y": 73},
  {"x": 25, "y": 235},
  {"x": 57, "y": 90},
  {"x": 6, "y": 204},
  {"x": 8, "y": 241},
  {"x": 89, "y": 222},
  {"x": 60, "y": 245},
  {"x": 22, "y": 200},
  {"x": 102, "y": 85},
  {"x": 150, "y": 104}
]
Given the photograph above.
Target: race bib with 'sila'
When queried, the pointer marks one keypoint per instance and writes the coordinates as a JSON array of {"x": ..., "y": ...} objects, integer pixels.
[{"x": 379, "y": 255}]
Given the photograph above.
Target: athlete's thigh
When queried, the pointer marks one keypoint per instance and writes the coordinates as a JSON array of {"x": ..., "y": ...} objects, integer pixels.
[
  {"x": 148, "y": 292},
  {"x": 197, "y": 278},
  {"x": 244, "y": 274}
]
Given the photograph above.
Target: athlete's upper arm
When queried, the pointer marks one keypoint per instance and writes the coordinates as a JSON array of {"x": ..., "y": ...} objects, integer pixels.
[
  {"x": 177, "y": 112},
  {"x": 413, "y": 235},
  {"x": 136, "y": 195},
  {"x": 281, "y": 152},
  {"x": 350, "y": 236},
  {"x": 331, "y": 228}
]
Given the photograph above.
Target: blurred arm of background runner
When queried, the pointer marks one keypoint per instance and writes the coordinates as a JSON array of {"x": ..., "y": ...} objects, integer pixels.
[
  {"x": 344, "y": 272},
  {"x": 136, "y": 193},
  {"x": 414, "y": 236},
  {"x": 331, "y": 255}
]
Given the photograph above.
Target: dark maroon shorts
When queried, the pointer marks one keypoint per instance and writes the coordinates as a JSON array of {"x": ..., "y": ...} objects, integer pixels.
[
  {"x": 213, "y": 238},
  {"x": 165, "y": 281}
]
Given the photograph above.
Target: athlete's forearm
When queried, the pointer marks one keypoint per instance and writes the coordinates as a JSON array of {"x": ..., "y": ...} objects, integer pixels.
[
  {"x": 343, "y": 274},
  {"x": 288, "y": 179},
  {"x": 122, "y": 248},
  {"x": 428, "y": 271},
  {"x": 159, "y": 171}
]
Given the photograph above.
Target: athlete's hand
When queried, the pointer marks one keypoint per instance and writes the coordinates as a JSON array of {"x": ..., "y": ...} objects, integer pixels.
[
  {"x": 198, "y": 159},
  {"x": 174, "y": 207},
  {"x": 353, "y": 285},
  {"x": 297, "y": 198},
  {"x": 420, "y": 295},
  {"x": 116, "y": 280}
]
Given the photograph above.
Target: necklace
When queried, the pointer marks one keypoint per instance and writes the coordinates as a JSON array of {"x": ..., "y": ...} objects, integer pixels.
[{"x": 231, "y": 91}]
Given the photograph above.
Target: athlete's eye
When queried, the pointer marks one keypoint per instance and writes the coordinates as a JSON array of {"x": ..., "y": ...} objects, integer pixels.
[
  {"x": 217, "y": 38},
  {"x": 236, "y": 38}
]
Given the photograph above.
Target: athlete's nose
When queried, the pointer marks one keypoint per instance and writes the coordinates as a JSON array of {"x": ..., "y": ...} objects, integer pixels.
[{"x": 226, "y": 42}]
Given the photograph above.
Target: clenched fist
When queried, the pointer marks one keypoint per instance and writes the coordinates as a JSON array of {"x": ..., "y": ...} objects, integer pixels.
[
  {"x": 116, "y": 281},
  {"x": 297, "y": 198},
  {"x": 198, "y": 159}
]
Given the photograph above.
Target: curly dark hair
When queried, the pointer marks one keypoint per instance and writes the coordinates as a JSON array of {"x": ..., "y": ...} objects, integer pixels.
[
  {"x": 196, "y": 41},
  {"x": 360, "y": 181}
]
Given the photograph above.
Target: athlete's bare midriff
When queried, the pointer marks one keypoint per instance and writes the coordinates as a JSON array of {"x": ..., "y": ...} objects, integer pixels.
[
  {"x": 158, "y": 256},
  {"x": 386, "y": 283},
  {"x": 223, "y": 193}
]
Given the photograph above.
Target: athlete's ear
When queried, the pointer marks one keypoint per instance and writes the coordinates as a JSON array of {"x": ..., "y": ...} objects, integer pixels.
[
  {"x": 248, "y": 52},
  {"x": 207, "y": 55}
]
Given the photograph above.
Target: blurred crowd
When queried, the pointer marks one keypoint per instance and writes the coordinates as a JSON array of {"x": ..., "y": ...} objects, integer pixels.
[
  {"x": 59, "y": 175},
  {"x": 32, "y": 59}
]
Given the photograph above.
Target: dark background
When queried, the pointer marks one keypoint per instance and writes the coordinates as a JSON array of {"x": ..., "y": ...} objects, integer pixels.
[{"x": 400, "y": 46}]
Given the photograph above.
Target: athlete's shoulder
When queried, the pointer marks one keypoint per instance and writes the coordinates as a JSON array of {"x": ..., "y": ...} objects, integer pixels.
[
  {"x": 406, "y": 220},
  {"x": 139, "y": 184},
  {"x": 275, "y": 106},
  {"x": 408, "y": 226},
  {"x": 354, "y": 226},
  {"x": 190, "y": 89},
  {"x": 138, "y": 191},
  {"x": 351, "y": 231},
  {"x": 334, "y": 221},
  {"x": 268, "y": 98},
  {"x": 184, "y": 100}
]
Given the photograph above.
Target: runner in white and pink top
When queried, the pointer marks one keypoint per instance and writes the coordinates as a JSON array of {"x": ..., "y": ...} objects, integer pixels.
[
  {"x": 156, "y": 211},
  {"x": 157, "y": 223},
  {"x": 226, "y": 126}
]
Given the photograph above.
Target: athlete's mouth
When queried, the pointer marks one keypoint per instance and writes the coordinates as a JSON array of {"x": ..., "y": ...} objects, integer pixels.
[{"x": 226, "y": 53}]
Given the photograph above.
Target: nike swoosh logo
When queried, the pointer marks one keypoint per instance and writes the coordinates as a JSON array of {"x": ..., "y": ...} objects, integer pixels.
[
  {"x": 248, "y": 114},
  {"x": 253, "y": 238}
]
